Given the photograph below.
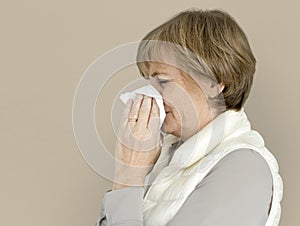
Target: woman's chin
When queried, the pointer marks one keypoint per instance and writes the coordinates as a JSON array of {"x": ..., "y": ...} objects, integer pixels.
[
  {"x": 165, "y": 128},
  {"x": 168, "y": 130}
]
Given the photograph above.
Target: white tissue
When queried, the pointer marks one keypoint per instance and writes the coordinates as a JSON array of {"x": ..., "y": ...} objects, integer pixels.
[{"x": 147, "y": 90}]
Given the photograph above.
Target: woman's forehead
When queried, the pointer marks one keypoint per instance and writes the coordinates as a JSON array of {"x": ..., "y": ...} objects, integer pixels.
[
  {"x": 161, "y": 68},
  {"x": 158, "y": 65}
]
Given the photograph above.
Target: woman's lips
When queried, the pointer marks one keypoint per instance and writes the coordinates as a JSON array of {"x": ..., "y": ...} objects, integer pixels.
[{"x": 167, "y": 108}]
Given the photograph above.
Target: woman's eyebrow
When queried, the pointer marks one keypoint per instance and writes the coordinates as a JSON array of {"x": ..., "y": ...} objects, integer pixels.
[
  {"x": 154, "y": 73},
  {"x": 157, "y": 73}
]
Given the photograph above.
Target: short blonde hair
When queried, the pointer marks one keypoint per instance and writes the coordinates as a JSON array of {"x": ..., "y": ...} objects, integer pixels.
[{"x": 222, "y": 50}]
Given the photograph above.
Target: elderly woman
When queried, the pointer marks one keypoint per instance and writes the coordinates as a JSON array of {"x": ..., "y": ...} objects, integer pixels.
[{"x": 210, "y": 168}]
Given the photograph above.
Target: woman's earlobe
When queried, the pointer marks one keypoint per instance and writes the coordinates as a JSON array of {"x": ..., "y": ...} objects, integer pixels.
[{"x": 222, "y": 86}]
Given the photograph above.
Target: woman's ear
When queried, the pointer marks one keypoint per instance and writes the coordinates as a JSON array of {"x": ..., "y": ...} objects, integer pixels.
[
  {"x": 209, "y": 87},
  {"x": 213, "y": 89}
]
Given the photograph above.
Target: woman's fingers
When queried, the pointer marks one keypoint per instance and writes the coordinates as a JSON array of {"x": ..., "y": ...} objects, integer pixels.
[
  {"x": 126, "y": 112},
  {"x": 134, "y": 113},
  {"x": 144, "y": 113},
  {"x": 146, "y": 127},
  {"x": 153, "y": 122}
]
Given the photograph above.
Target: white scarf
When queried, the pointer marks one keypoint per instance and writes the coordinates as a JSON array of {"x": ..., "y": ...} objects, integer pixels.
[{"x": 172, "y": 183}]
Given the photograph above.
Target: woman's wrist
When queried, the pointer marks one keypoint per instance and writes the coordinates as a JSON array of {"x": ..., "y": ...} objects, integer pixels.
[
  {"x": 121, "y": 181},
  {"x": 117, "y": 186},
  {"x": 129, "y": 177}
]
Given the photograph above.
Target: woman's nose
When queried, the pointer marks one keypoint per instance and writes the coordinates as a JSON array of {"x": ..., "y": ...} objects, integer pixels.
[{"x": 154, "y": 83}]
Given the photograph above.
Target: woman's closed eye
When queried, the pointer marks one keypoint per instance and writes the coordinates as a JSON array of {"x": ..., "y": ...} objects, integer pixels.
[
  {"x": 158, "y": 80},
  {"x": 162, "y": 81}
]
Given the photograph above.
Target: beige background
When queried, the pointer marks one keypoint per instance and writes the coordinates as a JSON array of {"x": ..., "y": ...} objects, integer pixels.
[{"x": 45, "y": 48}]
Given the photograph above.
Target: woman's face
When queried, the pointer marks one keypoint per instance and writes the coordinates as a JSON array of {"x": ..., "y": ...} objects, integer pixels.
[{"x": 186, "y": 106}]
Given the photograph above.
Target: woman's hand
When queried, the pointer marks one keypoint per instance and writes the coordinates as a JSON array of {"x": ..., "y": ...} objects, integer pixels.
[{"x": 138, "y": 142}]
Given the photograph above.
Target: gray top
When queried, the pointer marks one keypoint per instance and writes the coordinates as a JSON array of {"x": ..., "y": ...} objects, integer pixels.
[{"x": 237, "y": 191}]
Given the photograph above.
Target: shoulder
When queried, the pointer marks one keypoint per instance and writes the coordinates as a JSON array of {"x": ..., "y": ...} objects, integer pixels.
[
  {"x": 237, "y": 191},
  {"x": 240, "y": 178},
  {"x": 243, "y": 167}
]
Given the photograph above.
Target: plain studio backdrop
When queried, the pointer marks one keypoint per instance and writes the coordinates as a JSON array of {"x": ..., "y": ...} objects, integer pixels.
[{"x": 45, "y": 48}]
